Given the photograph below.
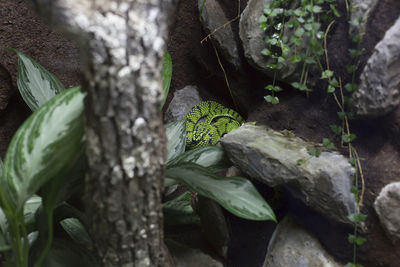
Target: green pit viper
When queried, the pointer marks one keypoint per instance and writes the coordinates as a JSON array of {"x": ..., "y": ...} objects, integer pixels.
[{"x": 207, "y": 122}]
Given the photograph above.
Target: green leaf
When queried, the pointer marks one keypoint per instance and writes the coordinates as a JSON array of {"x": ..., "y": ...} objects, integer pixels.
[
  {"x": 328, "y": 144},
  {"x": 179, "y": 211},
  {"x": 210, "y": 157},
  {"x": 236, "y": 194},
  {"x": 299, "y": 32},
  {"x": 271, "y": 99},
  {"x": 44, "y": 147},
  {"x": 357, "y": 217},
  {"x": 335, "y": 11},
  {"x": 316, "y": 9},
  {"x": 331, "y": 89},
  {"x": 263, "y": 19},
  {"x": 334, "y": 82},
  {"x": 354, "y": 53},
  {"x": 351, "y": 87},
  {"x": 176, "y": 134},
  {"x": 326, "y": 74},
  {"x": 351, "y": 68},
  {"x": 348, "y": 138},
  {"x": 166, "y": 75},
  {"x": 76, "y": 231},
  {"x": 295, "y": 59},
  {"x": 314, "y": 152},
  {"x": 336, "y": 129},
  {"x": 36, "y": 84}
]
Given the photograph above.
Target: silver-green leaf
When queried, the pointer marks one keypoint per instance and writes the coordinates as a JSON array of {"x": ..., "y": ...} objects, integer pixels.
[
  {"x": 236, "y": 194},
  {"x": 45, "y": 146},
  {"x": 36, "y": 84},
  {"x": 209, "y": 156},
  {"x": 176, "y": 134}
]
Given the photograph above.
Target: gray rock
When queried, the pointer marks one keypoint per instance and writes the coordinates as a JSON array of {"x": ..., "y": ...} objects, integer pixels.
[
  {"x": 378, "y": 92},
  {"x": 274, "y": 158},
  {"x": 212, "y": 18},
  {"x": 361, "y": 10},
  {"x": 184, "y": 256},
  {"x": 183, "y": 100},
  {"x": 252, "y": 37},
  {"x": 387, "y": 206},
  {"x": 293, "y": 246}
]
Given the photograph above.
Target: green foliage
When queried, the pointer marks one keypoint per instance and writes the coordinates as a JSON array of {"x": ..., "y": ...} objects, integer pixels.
[
  {"x": 295, "y": 36},
  {"x": 236, "y": 194},
  {"x": 46, "y": 157},
  {"x": 304, "y": 47},
  {"x": 167, "y": 75},
  {"x": 196, "y": 170},
  {"x": 35, "y": 83}
]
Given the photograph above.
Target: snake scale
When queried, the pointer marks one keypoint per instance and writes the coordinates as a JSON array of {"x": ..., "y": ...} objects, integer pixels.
[{"x": 207, "y": 122}]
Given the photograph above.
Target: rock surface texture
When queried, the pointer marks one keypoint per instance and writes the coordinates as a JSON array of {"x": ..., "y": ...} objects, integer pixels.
[
  {"x": 293, "y": 246},
  {"x": 183, "y": 100},
  {"x": 251, "y": 34},
  {"x": 280, "y": 158},
  {"x": 387, "y": 206},
  {"x": 216, "y": 22},
  {"x": 378, "y": 92}
]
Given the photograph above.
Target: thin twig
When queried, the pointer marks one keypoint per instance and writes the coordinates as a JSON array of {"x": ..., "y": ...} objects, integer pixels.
[
  {"x": 325, "y": 44},
  {"x": 361, "y": 198},
  {"x": 226, "y": 76}
]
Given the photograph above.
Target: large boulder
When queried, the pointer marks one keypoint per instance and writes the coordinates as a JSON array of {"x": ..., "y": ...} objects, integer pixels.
[
  {"x": 215, "y": 22},
  {"x": 183, "y": 100},
  {"x": 293, "y": 246},
  {"x": 387, "y": 206},
  {"x": 280, "y": 158},
  {"x": 378, "y": 92}
]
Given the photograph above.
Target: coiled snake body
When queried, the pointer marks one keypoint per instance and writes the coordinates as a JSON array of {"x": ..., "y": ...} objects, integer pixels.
[{"x": 207, "y": 122}]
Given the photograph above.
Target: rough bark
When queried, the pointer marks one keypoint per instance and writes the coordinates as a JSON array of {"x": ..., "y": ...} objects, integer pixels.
[{"x": 123, "y": 43}]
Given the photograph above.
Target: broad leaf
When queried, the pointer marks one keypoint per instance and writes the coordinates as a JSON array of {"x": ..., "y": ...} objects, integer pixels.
[
  {"x": 76, "y": 231},
  {"x": 36, "y": 84},
  {"x": 166, "y": 75},
  {"x": 236, "y": 194},
  {"x": 179, "y": 211},
  {"x": 209, "y": 156},
  {"x": 176, "y": 133},
  {"x": 46, "y": 146}
]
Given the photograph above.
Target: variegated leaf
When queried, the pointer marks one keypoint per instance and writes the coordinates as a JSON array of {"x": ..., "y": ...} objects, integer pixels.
[
  {"x": 36, "y": 84},
  {"x": 45, "y": 146},
  {"x": 236, "y": 194},
  {"x": 209, "y": 156},
  {"x": 176, "y": 133}
]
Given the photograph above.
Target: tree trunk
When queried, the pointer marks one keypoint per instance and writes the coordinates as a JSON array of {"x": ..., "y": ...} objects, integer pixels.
[{"x": 123, "y": 42}]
